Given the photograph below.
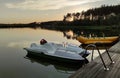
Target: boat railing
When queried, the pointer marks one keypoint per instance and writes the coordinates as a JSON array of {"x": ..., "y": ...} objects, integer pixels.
[{"x": 94, "y": 46}]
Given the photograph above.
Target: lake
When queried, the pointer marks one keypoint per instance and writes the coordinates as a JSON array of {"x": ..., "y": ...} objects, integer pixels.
[
  {"x": 13, "y": 60},
  {"x": 15, "y": 64}
]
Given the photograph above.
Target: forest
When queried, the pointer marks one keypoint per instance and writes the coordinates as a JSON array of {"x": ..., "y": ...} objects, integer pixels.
[{"x": 104, "y": 15}]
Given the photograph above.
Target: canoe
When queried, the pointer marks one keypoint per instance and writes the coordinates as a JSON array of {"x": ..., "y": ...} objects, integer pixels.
[{"x": 103, "y": 40}]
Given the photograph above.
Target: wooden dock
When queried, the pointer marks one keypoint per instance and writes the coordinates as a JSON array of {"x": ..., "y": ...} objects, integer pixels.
[{"x": 95, "y": 68}]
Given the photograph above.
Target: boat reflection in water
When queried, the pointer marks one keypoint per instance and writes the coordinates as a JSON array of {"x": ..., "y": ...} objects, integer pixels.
[{"x": 61, "y": 67}]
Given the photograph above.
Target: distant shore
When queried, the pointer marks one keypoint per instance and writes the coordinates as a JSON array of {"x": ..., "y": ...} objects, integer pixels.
[
  {"x": 30, "y": 25},
  {"x": 54, "y": 25},
  {"x": 107, "y": 30}
]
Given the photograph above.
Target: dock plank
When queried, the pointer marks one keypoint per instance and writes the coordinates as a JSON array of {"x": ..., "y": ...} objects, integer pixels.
[{"x": 95, "y": 69}]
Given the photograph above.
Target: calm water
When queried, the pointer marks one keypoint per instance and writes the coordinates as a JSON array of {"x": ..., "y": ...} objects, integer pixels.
[{"x": 13, "y": 60}]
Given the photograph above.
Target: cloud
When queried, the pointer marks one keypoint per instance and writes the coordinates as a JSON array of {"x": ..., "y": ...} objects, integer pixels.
[{"x": 47, "y": 4}]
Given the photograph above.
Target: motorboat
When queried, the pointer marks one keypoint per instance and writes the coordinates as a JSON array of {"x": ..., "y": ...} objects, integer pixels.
[{"x": 57, "y": 51}]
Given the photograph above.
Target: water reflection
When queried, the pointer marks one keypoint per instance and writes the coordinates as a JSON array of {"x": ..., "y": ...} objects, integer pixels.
[
  {"x": 61, "y": 67},
  {"x": 71, "y": 34}
]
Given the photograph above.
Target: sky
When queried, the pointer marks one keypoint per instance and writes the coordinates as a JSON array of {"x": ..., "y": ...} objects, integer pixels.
[{"x": 26, "y": 11}]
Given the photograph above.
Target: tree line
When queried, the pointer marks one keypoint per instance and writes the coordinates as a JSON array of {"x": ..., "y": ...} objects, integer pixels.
[
  {"x": 104, "y": 15},
  {"x": 30, "y": 25}
]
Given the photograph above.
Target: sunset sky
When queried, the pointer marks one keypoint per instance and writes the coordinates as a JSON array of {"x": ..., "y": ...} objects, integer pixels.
[{"x": 25, "y": 11}]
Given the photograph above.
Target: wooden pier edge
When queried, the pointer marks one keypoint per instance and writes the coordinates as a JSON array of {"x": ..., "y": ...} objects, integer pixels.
[{"x": 95, "y": 68}]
